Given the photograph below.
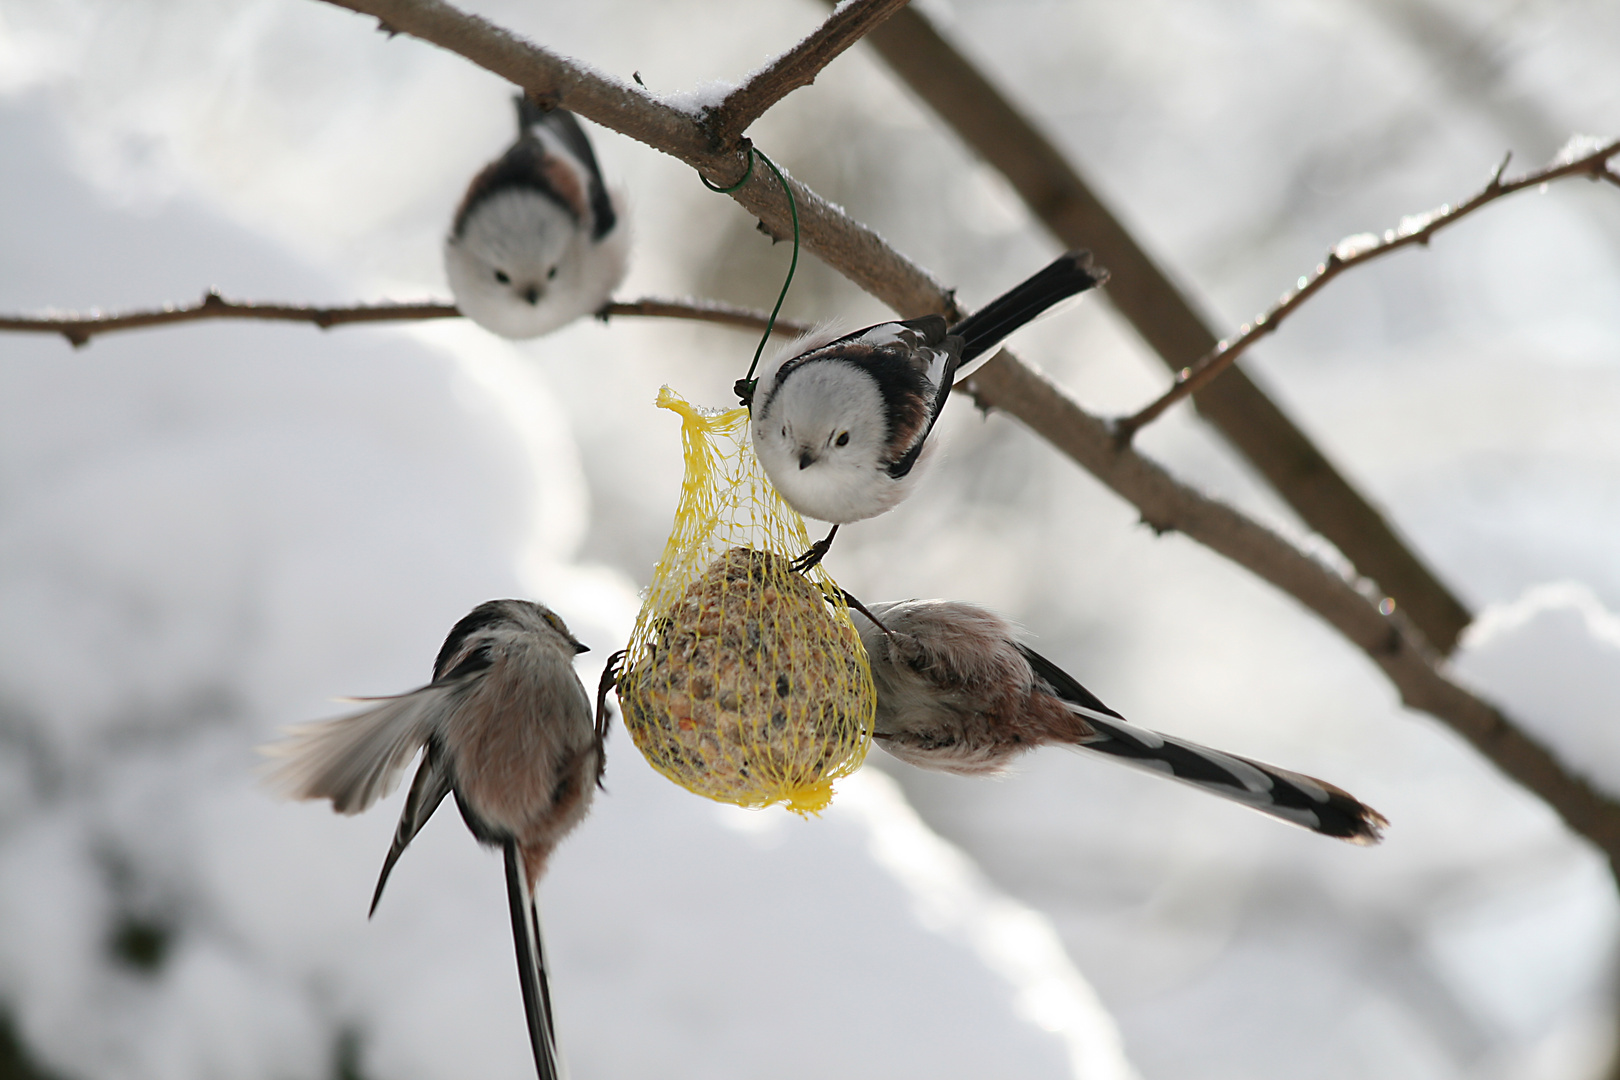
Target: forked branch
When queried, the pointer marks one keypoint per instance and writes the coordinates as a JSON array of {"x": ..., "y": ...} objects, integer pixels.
[{"x": 799, "y": 66}]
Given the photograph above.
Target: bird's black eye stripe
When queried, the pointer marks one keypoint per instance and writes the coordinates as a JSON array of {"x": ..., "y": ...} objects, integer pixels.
[
  {"x": 843, "y": 439},
  {"x": 501, "y": 276},
  {"x": 551, "y": 273}
]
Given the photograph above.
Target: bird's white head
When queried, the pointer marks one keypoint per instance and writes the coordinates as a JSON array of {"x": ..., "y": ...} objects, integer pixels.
[
  {"x": 522, "y": 265},
  {"x": 821, "y": 434}
]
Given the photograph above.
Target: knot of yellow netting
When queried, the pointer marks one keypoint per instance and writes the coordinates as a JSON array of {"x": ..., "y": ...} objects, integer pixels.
[{"x": 744, "y": 681}]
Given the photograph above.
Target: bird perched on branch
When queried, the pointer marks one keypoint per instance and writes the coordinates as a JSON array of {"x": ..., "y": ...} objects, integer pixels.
[
  {"x": 957, "y": 692},
  {"x": 538, "y": 240},
  {"x": 841, "y": 420},
  {"x": 507, "y": 728}
]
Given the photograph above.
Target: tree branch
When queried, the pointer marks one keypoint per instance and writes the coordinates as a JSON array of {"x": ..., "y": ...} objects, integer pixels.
[
  {"x": 1380, "y": 631},
  {"x": 1166, "y": 318},
  {"x": 79, "y": 329},
  {"x": 1349, "y": 252},
  {"x": 799, "y": 66},
  {"x": 701, "y": 311},
  {"x": 1388, "y": 637},
  {"x": 549, "y": 79}
]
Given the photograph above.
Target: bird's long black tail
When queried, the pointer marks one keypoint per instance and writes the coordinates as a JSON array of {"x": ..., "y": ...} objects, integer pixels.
[
  {"x": 531, "y": 960},
  {"x": 1294, "y": 797},
  {"x": 1291, "y": 796},
  {"x": 1062, "y": 278}
]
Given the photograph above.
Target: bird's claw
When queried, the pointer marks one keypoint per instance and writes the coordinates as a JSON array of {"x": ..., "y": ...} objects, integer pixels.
[
  {"x": 609, "y": 680},
  {"x": 807, "y": 562}
]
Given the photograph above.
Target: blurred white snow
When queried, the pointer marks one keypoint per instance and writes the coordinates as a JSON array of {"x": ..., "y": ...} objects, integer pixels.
[
  {"x": 209, "y": 531},
  {"x": 1552, "y": 659}
]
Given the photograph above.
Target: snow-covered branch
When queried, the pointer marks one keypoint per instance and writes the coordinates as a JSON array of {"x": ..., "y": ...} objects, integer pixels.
[
  {"x": 79, "y": 329},
  {"x": 1584, "y": 156},
  {"x": 797, "y": 67},
  {"x": 1373, "y": 625}
]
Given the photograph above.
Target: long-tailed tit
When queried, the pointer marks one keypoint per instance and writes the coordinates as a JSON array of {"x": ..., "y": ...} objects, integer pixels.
[
  {"x": 507, "y": 728},
  {"x": 841, "y": 420},
  {"x": 538, "y": 240},
  {"x": 957, "y": 692}
]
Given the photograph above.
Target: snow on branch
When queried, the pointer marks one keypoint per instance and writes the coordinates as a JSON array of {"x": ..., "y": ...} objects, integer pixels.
[
  {"x": 1362, "y": 616},
  {"x": 79, "y": 329},
  {"x": 1581, "y": 156},
  {"x": 799, "y": 66}
]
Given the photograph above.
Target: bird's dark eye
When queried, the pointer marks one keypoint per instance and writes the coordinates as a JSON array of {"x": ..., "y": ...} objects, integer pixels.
[
  {"x": 501, "y": 276},
  {"x": 843, "y": 440},
  {"x": 784, "y": 431},
  {"x": 551, "y": 273}
]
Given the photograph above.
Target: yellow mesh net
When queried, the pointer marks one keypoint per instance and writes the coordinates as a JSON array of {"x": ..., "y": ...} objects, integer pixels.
[{"x": 744, "y": 681}]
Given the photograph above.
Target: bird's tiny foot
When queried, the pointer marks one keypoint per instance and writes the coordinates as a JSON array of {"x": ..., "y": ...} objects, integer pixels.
[
  {"x": 806, "y": 562},
  {"x": 817, "y": 552}
]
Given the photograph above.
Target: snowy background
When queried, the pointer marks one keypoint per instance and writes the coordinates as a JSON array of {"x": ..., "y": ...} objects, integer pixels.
[{"x": 208, "y": 532}]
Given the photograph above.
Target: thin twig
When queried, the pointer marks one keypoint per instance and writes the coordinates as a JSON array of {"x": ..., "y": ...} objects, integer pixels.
[
  {"x": 1391, "y": 640},
  {"x": 79, "y": 329},
  {"x": 1349, "y": 252},
  {"x": 1165, "y": 317},
  {"x": 709, "y": 311},
  {"x": 797, "y": 67},
  {"x": 1375, "y": 626}
]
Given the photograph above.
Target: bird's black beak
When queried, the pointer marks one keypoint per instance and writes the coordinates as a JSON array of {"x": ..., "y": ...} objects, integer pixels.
[
  {"x": 806, "y": 459},
  {"x": 532, "y": 294},
  {"x": 578, "y": 648}
]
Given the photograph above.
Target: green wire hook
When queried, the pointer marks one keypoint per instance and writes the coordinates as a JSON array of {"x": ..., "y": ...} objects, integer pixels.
[{"x": 744, "y": 386}]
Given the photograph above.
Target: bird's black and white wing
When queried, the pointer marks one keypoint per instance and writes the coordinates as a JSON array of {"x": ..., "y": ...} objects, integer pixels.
[
  {"x": 434, "y": 780},
  {"x": 531, "y": 165},
  {"x": 357, "y": 759},
  {"x": 913, "y": 361},
  {"x": 1293, "y": 797},
  {"x": 564, "y": 126}
]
